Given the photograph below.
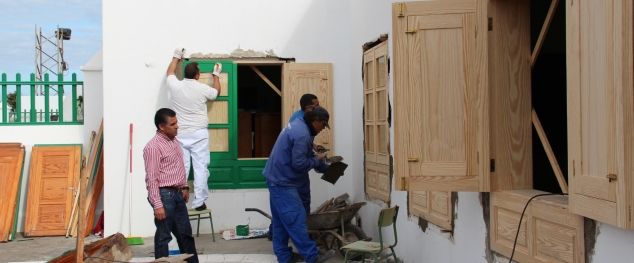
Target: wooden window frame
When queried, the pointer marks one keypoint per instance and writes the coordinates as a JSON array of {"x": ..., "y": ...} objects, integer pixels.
[{"x": 377, "y": 167}]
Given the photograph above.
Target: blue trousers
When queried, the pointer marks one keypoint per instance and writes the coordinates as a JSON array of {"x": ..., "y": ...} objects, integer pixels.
[
  {"x": 289, "y": 221},
  {"x": 177, "y": 222}
]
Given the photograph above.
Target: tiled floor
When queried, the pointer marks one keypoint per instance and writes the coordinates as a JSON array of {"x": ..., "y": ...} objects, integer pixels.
[
  {"x": 215, "y": 258},
  {"x": 42, "y": 249}
]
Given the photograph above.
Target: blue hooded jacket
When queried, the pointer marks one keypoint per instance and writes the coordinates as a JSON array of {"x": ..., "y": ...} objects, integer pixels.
[{"x": 292, "y": 156}]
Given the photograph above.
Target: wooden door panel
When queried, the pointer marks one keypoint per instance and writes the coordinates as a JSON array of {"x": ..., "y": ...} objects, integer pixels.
[
  {"x": 11, "y": 161},
  {"x": 53, "y": 174}
]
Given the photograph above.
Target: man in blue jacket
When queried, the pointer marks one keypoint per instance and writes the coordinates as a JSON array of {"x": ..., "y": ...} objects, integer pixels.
[{"x": 286, "y": 171}]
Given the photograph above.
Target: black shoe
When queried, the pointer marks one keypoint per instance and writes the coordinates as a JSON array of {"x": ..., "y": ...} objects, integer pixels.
[
  {"x": 201, "y": 208},
  {"x": 325, "y": 256},
  {"x": 297, "y": 257}
]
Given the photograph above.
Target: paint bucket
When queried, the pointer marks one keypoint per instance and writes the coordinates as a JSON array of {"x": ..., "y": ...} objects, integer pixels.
[{"x": 242, "y": 230}]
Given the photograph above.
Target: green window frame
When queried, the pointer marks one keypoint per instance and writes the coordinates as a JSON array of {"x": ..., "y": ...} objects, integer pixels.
[{"x": 226, "y": 170}]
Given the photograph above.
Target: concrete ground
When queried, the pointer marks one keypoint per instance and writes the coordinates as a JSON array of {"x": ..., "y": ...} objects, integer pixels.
[{"x": 45, "y": 248}]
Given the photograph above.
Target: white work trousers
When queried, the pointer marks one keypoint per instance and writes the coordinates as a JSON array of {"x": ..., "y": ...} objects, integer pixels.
[{"x": 196, "y": 145}]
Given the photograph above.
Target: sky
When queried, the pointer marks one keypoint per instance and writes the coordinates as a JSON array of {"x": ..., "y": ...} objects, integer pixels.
[{"x": 18, "y": 19}]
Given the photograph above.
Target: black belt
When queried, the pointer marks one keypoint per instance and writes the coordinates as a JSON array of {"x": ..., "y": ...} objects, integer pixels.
[{"x": 171, "y": 188}]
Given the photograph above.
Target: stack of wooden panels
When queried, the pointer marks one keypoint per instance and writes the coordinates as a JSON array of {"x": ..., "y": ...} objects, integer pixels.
[
  {"x": 11, "y": 162},
  {"x": 93, "y": 172}
]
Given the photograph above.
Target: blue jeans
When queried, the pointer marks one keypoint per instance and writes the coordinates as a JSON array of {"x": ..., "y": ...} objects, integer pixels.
[
  {"x": 289, "y": 221},
  {"x": 176, "y": 221}
]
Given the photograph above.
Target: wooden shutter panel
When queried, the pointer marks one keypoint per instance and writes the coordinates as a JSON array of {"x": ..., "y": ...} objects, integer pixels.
[
  {"x": 600, "y": 105},
  {"x": 549, "y": 232},
  {"x": 53, "y": 174},
  {"x": 315, "y": 78},
  {"x": 11, "y": 161},
  {"x": 435, "y": 207},
  {"x": 440, "y": 81}
]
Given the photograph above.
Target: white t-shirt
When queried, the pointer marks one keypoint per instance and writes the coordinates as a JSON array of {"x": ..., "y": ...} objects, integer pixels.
[{"x": 189, "y": 100}]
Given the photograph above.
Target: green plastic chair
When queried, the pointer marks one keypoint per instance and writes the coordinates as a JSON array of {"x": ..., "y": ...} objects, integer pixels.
[{"x": 387, "y": 218}]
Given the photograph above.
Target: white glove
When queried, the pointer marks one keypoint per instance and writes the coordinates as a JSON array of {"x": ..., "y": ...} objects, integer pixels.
[
  {"x": 186, "y": 54},
  {"x": 178, "y": 53},
  {"x": 217, "y": 69}
]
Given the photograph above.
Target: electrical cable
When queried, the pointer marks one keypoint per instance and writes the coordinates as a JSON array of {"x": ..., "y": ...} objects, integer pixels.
[{"x": 522, "y": 216}]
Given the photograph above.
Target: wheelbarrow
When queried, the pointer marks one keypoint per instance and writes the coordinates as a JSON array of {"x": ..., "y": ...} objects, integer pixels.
[{"x": 331, "y": 229}]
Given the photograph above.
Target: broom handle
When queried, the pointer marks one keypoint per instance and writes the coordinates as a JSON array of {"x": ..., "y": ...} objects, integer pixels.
[{"x": 130, "y": 186}]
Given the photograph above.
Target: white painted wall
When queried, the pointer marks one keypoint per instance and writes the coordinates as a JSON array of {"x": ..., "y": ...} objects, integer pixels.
[
  {"x": 93, "y": 105},
  {"x": 138, "y": 44}
]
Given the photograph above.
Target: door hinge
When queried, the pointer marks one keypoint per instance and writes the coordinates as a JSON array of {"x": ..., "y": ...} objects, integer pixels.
[
  {"x": 629, "y": 214},
  {"x": 492, "y": 165},
  {"x": 611, "y": 177},
  {"x": 404, "y": 183},
  {"x": 411, "y": 31},
  {"x": 490, "y": 23},
  {"x": 401, "y": 12}
]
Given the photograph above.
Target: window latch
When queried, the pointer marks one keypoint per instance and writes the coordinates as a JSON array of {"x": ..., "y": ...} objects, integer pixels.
[{"x": 611, "y": 177}]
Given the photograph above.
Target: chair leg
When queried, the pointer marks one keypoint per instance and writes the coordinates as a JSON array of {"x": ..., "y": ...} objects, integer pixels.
[
  {"x": 394, "y": 255},
  {"x": 345, "y": 257},
  {"x": 213, "y": 233},
  {"x": 198, "y": 227}
]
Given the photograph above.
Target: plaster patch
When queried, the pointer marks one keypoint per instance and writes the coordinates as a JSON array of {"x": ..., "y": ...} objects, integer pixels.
[
  {"x": 485, "y": 200},
  {"x": 238, "y": 53},
  {"x": 590, "y": 234}
]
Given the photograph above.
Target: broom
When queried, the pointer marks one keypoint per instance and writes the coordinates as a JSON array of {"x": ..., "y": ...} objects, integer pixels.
[{"x": 131, "y": 239}]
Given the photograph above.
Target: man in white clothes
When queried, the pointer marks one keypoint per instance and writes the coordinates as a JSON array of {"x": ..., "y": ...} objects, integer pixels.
[{"x": 189, "y": 100}]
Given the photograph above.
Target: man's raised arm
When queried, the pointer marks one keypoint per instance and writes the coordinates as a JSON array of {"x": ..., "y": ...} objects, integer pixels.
[{"x": 178, "y": 55}]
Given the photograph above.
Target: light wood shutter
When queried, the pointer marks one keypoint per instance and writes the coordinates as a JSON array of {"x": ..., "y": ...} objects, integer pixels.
[
  {"x": 53, "y": 175},
  {"x": 600, "y": 106},
  {"x": 549, "y": 232},
  {"x": 441, "y": 97},
  {"x": 315, "y": 78},
  {"x": 433, "y": 206},
  {"x": 376, "y": 127},
  {"x": 11, "y": 161}
]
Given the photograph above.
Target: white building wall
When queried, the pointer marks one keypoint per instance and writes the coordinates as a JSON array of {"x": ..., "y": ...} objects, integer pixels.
[{"x": 138, "y": 44}]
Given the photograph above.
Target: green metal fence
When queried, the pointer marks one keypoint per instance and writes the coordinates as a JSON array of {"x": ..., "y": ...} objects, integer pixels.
[{"x": 41, "y": 102}]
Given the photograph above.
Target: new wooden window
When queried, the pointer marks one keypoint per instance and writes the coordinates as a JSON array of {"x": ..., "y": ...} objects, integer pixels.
[
  {"x": 241, "y": 137},
  {"x": 461, "y": 96},
  {"x": 600, "y": 105},
  {"x": 378, "y": 181}
]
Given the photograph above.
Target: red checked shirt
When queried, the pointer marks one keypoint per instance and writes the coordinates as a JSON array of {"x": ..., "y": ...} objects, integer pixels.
[{"x": 164, "y": 166}]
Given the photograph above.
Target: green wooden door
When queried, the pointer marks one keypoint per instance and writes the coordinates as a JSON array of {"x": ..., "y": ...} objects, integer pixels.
[{"x": 226, "y": 170}]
